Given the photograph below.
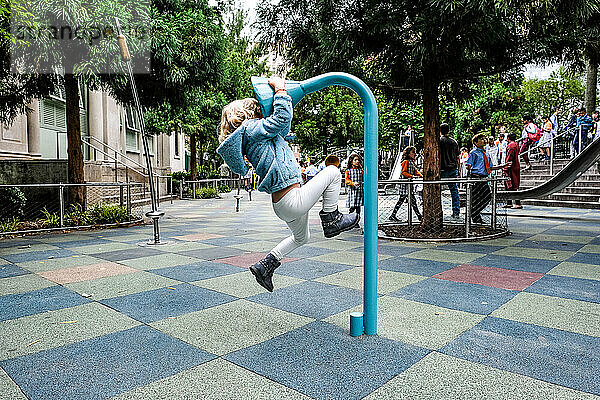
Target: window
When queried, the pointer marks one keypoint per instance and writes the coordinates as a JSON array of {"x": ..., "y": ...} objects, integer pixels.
[
  {"x": 132, "y": 134},
  {"x": 176, "y": 142}
]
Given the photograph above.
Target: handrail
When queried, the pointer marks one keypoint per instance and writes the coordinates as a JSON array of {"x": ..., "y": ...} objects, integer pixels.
[
  {"x": 441, "y": 181},
  {"x": 564, "y": 133},
  {"x": 72, "y": 184},
  {"x": 115, "y": 150},
  {"x": 122, "y": 155}
]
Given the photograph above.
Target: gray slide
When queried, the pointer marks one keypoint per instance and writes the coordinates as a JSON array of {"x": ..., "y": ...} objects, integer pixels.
[{"x": 573, "y": 170}]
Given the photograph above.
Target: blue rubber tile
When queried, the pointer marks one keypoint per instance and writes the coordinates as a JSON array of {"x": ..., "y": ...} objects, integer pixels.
[
  {"x": 11, "y": 243},
  {"x": 311, "y": 299},
  {"x": 324, "y": 362},
  {"x": 568, "y": 288},
  {"x": 585, "y": 258},
  {"x": 516, "y": 263},
  {"x": 470, "y": 247},
  {"x": 568, "y": 232},
  {"x": 308, "y": 251},
  {"x": 310, "y": 269},
  {"x": 227, "y": 241},
  {"x": 197, "y": 271},
  {"x": 8, "y": 270},
  {"x": 118, "y": 232},
  {"x": 37, "y": 255},
  {"x": 461, "y": 296},
  {"x": 29, "y": 303},
  {"x": 549, "y": 245},
  {"x": 158, "y": 304},
  {"x": 552, "y": 355},
  {"x": 595, "y": 240},
  {"x": 213, "y": 253},
  {"x": 390, "y": 250},
  {"x": 103, "y": 367},
  {"x": 120, "y": 255},
  {"x": 415, "y": 266}
]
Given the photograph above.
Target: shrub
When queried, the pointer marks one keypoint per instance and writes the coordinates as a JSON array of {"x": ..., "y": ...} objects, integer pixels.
[
  {"x": 9, "y": 226},
  {"x": 224, "y": 189},
  {"x": 13, "y": 203},
  {"x": 207, "y": 172},
  {"x": 109, "y": 213},
  {"x": 77, "y": 215},
  {"x": 207, "y": 193},
  {"x": 50, "y": 220}
]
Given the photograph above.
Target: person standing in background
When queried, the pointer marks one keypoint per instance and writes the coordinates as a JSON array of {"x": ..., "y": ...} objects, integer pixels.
[
  {"x": 512, "y": 169},
  {"x": 449, "y": 161}
]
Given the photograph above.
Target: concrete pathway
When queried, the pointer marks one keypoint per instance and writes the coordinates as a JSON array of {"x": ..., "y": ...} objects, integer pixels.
[{"x": 92, "y": 315}]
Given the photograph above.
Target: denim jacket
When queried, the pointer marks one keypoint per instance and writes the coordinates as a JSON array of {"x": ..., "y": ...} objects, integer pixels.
[{"x": 262, "y": 142}]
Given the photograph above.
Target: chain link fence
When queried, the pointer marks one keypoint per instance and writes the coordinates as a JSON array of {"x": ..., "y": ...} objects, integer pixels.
[
  {"x": 42, "y": 207},
  {"x": 474, "y": 213}
]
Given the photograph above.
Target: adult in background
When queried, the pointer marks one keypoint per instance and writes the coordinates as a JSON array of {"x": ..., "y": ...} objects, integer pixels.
[
  {"x": 480, "y": 166},
  {"x": 512, "y": 169},
  {"x": 354, "y": 177},
  {"x": 449, "y": 161},
  {"x": 527, "y": 137},
  {"x": 311, "y": 171},
  {"x": 584, "y": 124},
  {"x": 546, "y": 139}
]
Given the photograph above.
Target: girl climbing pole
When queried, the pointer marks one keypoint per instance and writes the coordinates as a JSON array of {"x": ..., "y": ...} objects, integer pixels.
[
  {"x": 408, "y": 170},
  {"x": 244, "y": 132}
]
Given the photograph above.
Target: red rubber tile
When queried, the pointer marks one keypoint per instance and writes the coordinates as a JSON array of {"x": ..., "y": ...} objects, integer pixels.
[{"x": 490, "y": 276}]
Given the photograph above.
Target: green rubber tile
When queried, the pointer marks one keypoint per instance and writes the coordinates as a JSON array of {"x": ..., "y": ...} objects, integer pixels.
[
  {"x": 591, "y": 248},
  {"x": 561, "y": 238},
  {"x": 416, "y": 245},
  {"x": 52, "y": 329},
  {"x": 500, "y": 242},
  {"x": 244, "y": 284},
  {"x": 232, "y": 326},
  {"x": 333, "y": 244},
  {"x": 121, "y": 285},
  {"x": 552, "y": 312},
  {"x": 23, "y": 283},
  {"x": 347, "y": 257},
  {"x": 438, "y": 376},
  {"x": 530, "y": 230},
  {"x": 457, "y": 257},
  {"x": 142, "y": 237},
  {"x": 387, "y": 281},
  {"x": 537, "y": 253},
  {"x": 102, "y": 248},
  {"x": 59, "y": 263},
  {"x": 577, "y": 270},
  {"x": 265, "y": 236},
  {"x": 27, "y": 248},
  {"x": 415, "y": 323},
  {"x": 9, "y": 389},
  {"x": 215, "y": 380},
  {"x": 66, "y": 237},
  {"x": 179, "y": 247},
  {"x": 159, "y": 261},
  {"x": 260, "y": 245}
]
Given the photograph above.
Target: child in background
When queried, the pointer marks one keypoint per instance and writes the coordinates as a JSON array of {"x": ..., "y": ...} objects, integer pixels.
[
  {"x": 408, "y": 170},
  {"x": 354, "y": 180},
  {"x": 244, "y": 132}
]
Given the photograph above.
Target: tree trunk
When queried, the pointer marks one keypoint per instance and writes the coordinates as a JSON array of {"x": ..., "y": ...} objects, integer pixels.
[
  {"x": 432, "y": 201},
  {"x": 193, "y": 161},
  {"x": 591, "y": 81},
  {"x": 75, "y": 194}
]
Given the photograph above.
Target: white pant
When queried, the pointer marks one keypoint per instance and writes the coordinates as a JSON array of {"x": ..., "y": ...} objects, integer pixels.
[{"x": 293, "y": 208}]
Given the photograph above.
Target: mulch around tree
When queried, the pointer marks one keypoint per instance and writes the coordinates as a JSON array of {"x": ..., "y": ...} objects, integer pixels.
[{"x": 449, "y": 232}]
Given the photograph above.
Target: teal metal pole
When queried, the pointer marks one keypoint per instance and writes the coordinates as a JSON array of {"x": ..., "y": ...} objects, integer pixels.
[{"x": 297, "y": 90}]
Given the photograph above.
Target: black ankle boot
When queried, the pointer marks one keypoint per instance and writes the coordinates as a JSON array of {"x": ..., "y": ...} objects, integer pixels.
[
  {"x": 335, "y": 222},
  {"x": 263, "y": 271}
]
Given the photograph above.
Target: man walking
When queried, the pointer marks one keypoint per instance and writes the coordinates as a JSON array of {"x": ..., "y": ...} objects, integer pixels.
[{"x": 449, "y": 165}]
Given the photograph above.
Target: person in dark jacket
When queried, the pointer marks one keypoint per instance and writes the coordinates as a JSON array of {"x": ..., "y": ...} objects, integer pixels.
[{"x": 449, "y": 165}]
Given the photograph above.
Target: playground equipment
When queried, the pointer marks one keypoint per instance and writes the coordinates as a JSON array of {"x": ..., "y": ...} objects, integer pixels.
[
  {"x": 155, "y": 213},
  {"x": 297, "y": 90}
]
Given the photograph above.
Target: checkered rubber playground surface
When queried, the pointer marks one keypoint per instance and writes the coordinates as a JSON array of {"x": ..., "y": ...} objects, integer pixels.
[{"x": 92, "y": 315}]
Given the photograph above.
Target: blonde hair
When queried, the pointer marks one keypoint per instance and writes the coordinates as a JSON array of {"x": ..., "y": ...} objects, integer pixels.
[{"x": 235, "y": 113}]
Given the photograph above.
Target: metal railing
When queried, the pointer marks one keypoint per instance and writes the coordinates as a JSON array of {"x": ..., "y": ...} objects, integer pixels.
[
  {"x": 481, "y": 215},
  {"x": 44, "y": 206}
]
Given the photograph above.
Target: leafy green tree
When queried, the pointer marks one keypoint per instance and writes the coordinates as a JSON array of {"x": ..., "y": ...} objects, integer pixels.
[
  {"x": 405, "y": 44},
  {"x": 561, "y": 89}
]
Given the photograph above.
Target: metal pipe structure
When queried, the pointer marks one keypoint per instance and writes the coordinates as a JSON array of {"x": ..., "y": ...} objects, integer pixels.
[
  {"x": 155, "y": 214},
  {"x": 297, "y": 90}
]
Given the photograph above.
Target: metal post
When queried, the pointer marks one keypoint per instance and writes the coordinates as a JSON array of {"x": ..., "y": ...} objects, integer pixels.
[
  {"x": 171, "y": 180},
  {"x": 410, "y": 195},
  {"x": 468, "y": 210},
  {"x": 157, "y": 191},
  {"x": 116, "y": 168},
  {"x": 121, "y": 195},
  {"x": 552, "y": 156},
  {"x": 494, "y": 192},
  {"x": 181, "y": 189},
  {"x": 128, "y": 195},
  {"x": 61, "y": 199},
  {"x": 579, "y": 139},
  {"x": 194, "y": 190}
]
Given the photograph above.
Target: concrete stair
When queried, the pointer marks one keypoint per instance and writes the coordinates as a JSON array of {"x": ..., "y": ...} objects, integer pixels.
[{"x": 583, "y": 193}]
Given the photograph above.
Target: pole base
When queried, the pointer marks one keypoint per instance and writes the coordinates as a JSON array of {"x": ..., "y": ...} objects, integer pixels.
[
  {"x": 153, "y": 243},
  {"x": 356, "y": 324}
]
